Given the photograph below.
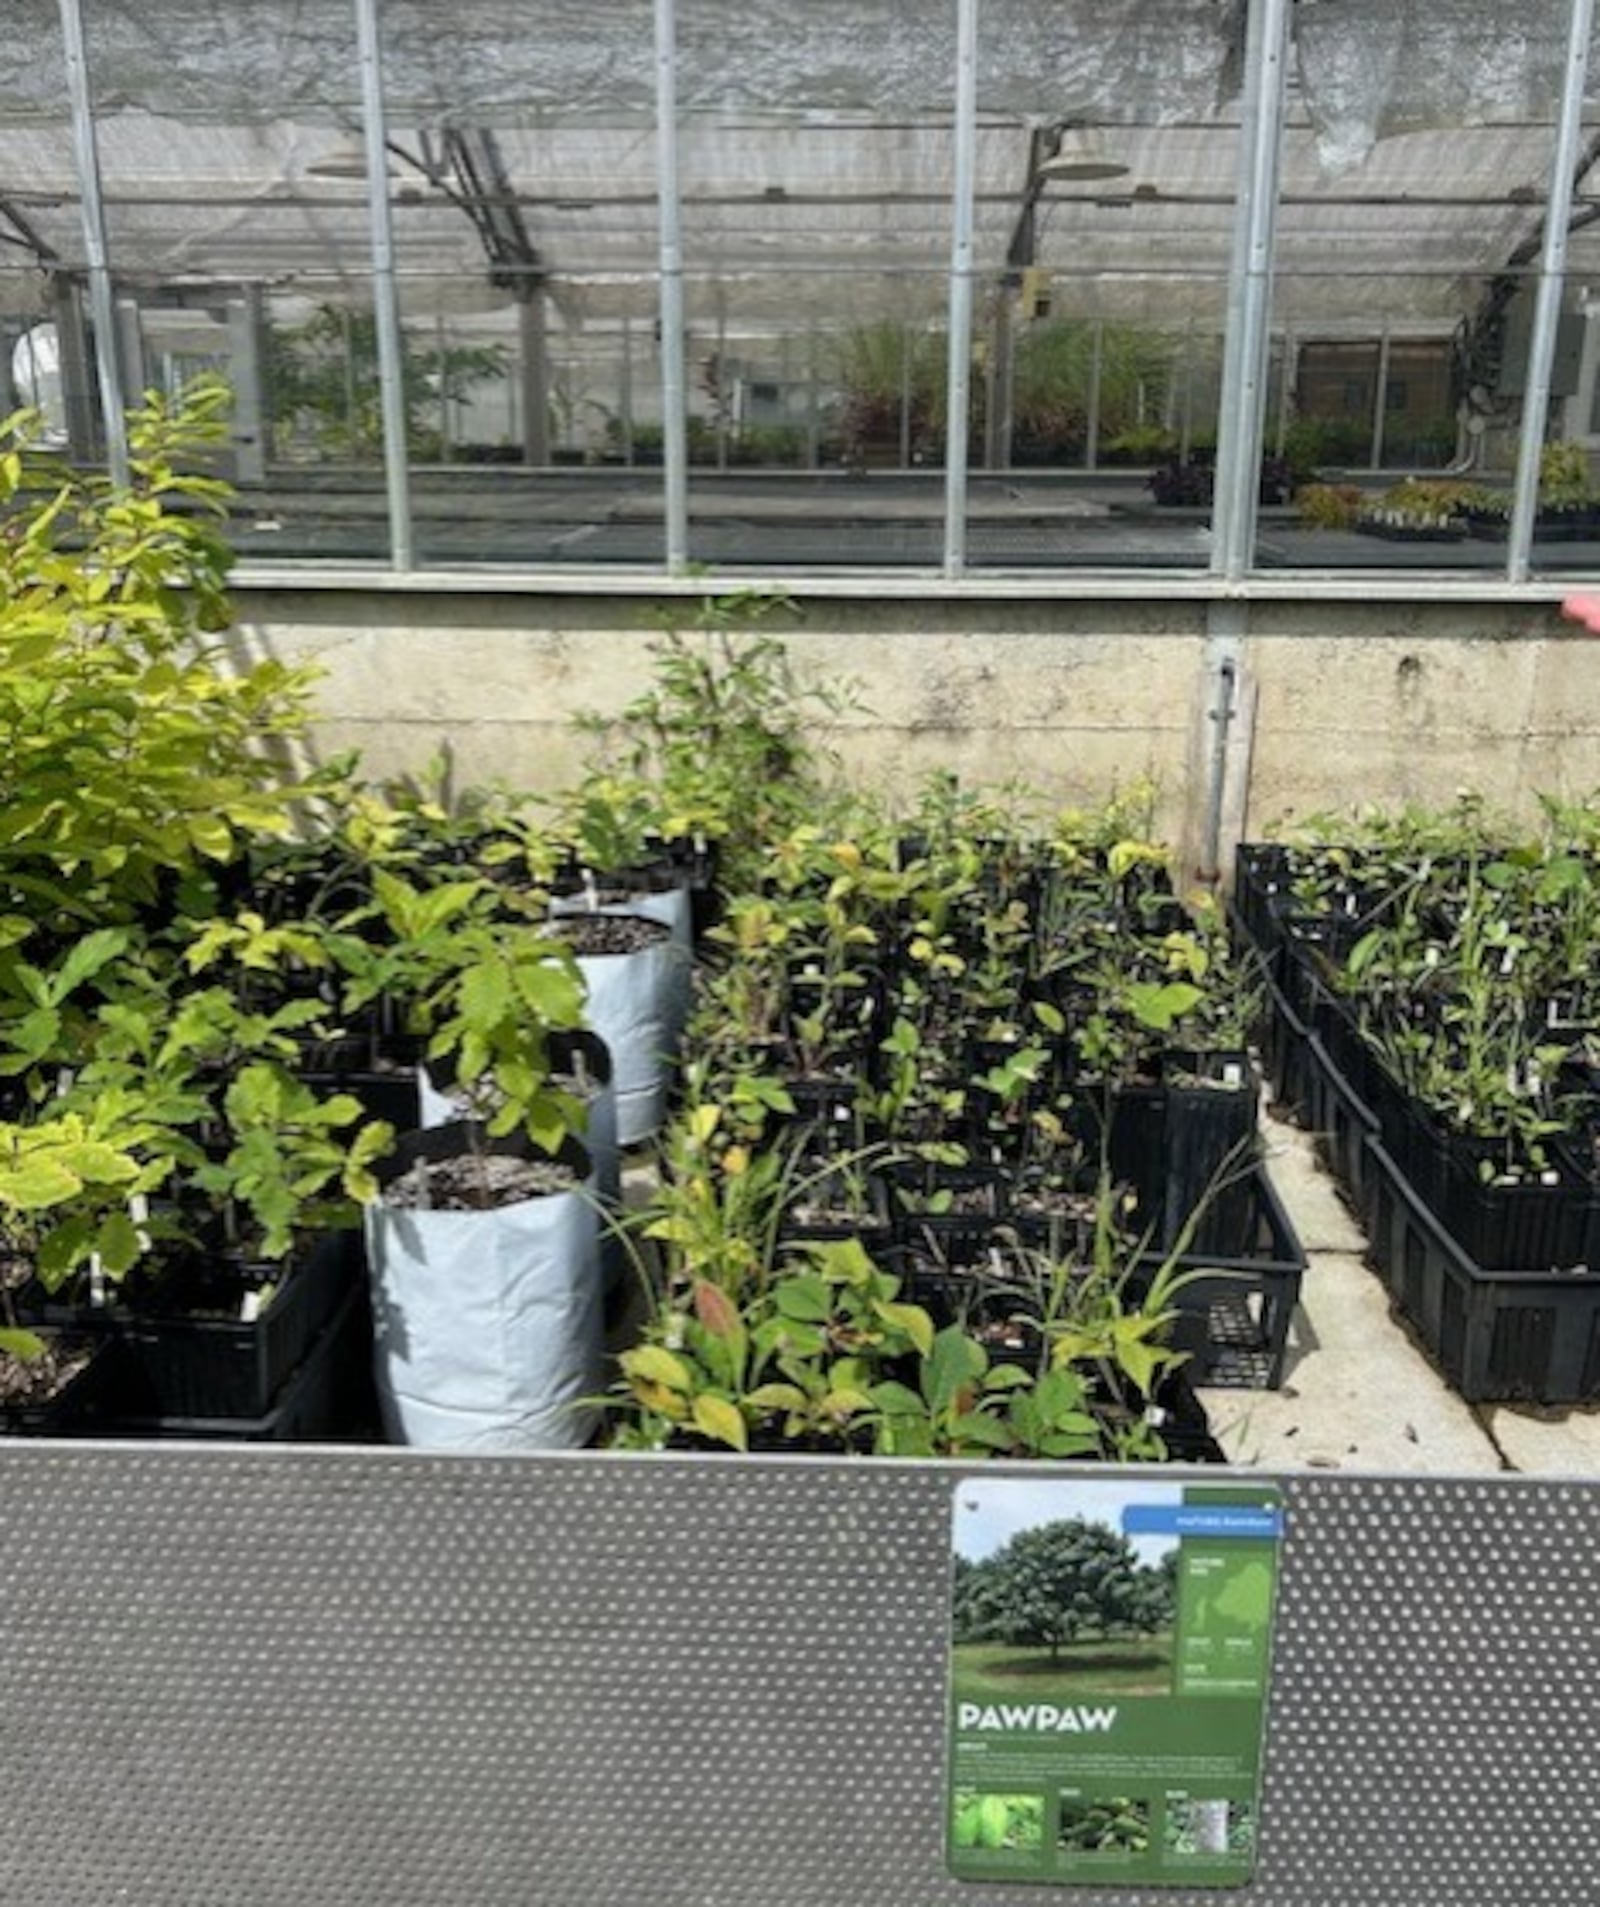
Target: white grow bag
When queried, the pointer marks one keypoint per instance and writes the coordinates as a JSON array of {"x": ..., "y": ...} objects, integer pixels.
[
  {"x": 638, "y": 1004},
  {"x": 488, "y": 1324},
  {"x": 568, "y": 1053}
]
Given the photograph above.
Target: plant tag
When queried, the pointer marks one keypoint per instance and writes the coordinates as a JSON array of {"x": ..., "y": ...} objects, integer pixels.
[
  {"x": 1110, "y": 1659},
  {"x": 1155, "y": 1416},
  {"x": 591, "y": 892},
  {"x": 841, "y": 1115},
  {"x": 250, "y": 1307},
  {"x": 98, "y": 1294},
  {"x": 1233, "y": 1074}
]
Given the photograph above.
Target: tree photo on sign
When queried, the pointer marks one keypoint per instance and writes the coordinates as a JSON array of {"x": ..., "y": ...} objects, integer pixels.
[{"x": 1069, "y": 1597}]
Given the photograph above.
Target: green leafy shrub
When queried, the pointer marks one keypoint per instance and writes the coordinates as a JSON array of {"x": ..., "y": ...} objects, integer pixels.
[
  {"x": 134, "y": 746},
  {"x": 1329, "y": 506}
]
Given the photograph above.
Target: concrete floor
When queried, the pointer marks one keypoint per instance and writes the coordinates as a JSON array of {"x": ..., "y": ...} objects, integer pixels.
[{"x": 1359, "y": 1394}]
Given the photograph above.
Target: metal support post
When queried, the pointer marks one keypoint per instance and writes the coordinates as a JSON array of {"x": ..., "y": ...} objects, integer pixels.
[
  {"x": 533, "y": 370},
  {"x": 1547, "y": 305},
  {"x": 250, "y": 406},
  {"x": 1241, "y": 423},
  {"x": 130, "y": 349},
  {"x": 86, "y": 153},
  {"x": 1380, "y": 398},
  {"x": 72, "y": 347},
  {"x": 674, "y": 420},
  {"x": 625, "y": 391},
  {"x": 905, "y": 397},
  {"x": 1091, "y": 433},
  {"x": 1286, "y": 384},
  {"x": 960, "y": 362},
  {"x": 813, "y": 408},
  {"x": 385, "y": 296}
]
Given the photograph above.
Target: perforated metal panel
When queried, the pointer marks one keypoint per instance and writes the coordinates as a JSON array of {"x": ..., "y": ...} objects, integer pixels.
[{"x": 293, "y": 1678}]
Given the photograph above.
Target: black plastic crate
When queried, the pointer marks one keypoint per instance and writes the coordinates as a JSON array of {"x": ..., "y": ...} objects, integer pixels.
[
  {"x": 1533, "y": 1224},
  {"x": 1286, "y": 1059},
  {"x": 1261, "y": 893},
  {"x": 1238, "y": 1295},
  {"x": 179, "y": 1365},
  {"x": 950, "y": 1209},
  {"x": 76, "y": 1408},
  {"x": 1340, "y": 1122},
  {"x": 1234, "y": 1303},
  {"x": 1185, "y": 1150},
  {"x": 1498, "y": 1336},
  {"x": 379, "y": 1070},
  {"x": 329, "y": 1398}
]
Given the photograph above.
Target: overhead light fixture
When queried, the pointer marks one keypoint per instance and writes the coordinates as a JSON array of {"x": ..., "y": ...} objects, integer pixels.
[
  {"x": 346, "y": 160},
  {"x": 1080, "y": 154}
]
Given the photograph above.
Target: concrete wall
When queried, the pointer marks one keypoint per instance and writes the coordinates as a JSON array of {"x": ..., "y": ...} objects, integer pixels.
[{"x": 1355, "y": 701}]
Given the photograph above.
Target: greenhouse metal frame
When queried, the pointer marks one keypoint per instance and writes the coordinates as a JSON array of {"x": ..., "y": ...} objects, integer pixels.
[{"x": 624, "y": 222}]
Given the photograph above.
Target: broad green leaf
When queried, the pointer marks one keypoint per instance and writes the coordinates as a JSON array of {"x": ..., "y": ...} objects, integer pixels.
[
  {"x": 657, "y": 1365},
  {"x": 911, "y": 1320},
  {"x": 211, "y": 835},
  {"x": 96, "y": 1163},
  {"x": 118, "y": 1244},
  {"x": 988, "y": 1433},
  {"x": 723, "y": 1422},
  {"x": 767, "y": 1397},
  {"x": 955, "y": 1362},
  {"x": 897, "y": 1400},
  {"x": 804, "y": 1297},
  {"x": 36, "y": 1184},
  {"x": 87, "y": 957},
  {"x": 24, "y": 1346}
]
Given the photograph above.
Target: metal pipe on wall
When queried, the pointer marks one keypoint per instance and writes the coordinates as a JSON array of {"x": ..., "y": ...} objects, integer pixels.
[
  {"x": 674, "y": 397},
  {"x": 960, "y": 362},
  {"x": 385, "y": 295},
  {"x": 102, "y": 303},
  {"x": 1547, "y": 305}
]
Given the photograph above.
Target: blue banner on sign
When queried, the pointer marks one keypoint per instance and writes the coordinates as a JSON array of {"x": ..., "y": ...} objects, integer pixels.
[{"x": 1193, "y": 1519}]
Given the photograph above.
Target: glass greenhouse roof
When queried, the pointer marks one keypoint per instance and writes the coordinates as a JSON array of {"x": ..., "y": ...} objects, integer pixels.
[{"x": 815, "y": 141}]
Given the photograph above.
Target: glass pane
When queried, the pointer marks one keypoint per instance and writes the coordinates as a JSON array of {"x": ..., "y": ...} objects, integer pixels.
[
  {"x": 1566, "y": 531},
  {"x": 239, "y": 245},
  {"x": 1097, "y": 352},
  {"x": 817, "y": 418},
  {"x": 1401, "y": 320},
  {"x": 817, "y": 247},
  {"x": 526, "y": 247}
]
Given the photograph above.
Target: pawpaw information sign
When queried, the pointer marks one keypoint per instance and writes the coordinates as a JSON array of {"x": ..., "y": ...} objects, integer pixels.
[{"x": 1110, "y": 1651}]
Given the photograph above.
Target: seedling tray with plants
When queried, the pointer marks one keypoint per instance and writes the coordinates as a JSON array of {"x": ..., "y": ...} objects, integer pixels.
[
  {"x": 1498, "y": 1336},
  {"x": 1441, "y": 1059},
  {"x": 223, "y": 1340},
  {"x": 327, "y": 1397}
]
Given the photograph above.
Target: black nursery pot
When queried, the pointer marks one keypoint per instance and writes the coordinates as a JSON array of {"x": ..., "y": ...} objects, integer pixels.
[
  {"x": 76, "y": 1408},
  {"x": 191, "y": 1355},
  {"x": 378, "y": 1069},
  {"x": 828, "y": 1211}
]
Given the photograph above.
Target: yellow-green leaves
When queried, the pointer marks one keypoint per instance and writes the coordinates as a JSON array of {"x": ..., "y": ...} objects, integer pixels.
[{"x": 716, "y": 1418}]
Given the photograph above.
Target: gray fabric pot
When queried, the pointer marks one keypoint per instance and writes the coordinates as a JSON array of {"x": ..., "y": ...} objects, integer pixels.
[
  {"x": 488, "y": 1324},
  {"x": 569, "y": 1052},
  {"x": 638, "y": 1004}
]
